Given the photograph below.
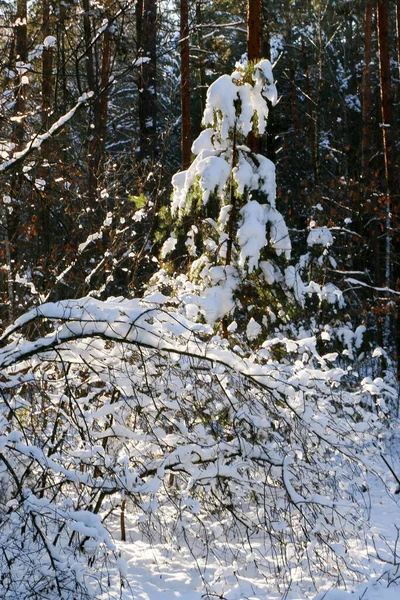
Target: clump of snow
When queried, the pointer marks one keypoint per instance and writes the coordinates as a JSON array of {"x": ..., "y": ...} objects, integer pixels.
[
  {"x": 253, "y": 329},
  {"x": 168, "y": 246},
  {"x": 213, "y": 172},
  {"x": 252, "y": 234},
  {"x": 49, "y": 41},
  {"x": 320, "y": 236},
  {"x": 279, "y": 234},
  {"x": 231, "y": 106}
]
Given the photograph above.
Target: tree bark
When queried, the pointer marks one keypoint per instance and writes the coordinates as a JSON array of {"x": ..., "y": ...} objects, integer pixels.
[
  {"x": 13, "y": 221},
  {"x": 100, "y": 116},
  {"x": 292, "y": 70},
  {"x": 387, "y": 121},
  {"x": 311, "y": 115},
  {"x": 398, "y": 47},
  {"x": 43, "y": 224},
  {"x": 186, "y": 142},
  {"x": 47, "y": 64},
  {"x": 253, "y": 52},
  {"x": 88, "y": 49},
  {"x": 21, "y": 46},
  {"x": 254, "y": 29},
  {"x": 146, "y": 28},
  {"x": 201, "y": 67},
  {"x": 366, "y": 92}
]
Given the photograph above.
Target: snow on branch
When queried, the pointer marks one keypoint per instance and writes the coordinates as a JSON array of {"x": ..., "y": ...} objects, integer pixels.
[
  {"x": 131, "y": 402},
  {"x": 371, "y": 287},
  {"x": 36, "y": 142}
]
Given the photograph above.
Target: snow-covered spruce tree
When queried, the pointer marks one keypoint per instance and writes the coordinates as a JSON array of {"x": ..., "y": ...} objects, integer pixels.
[
  {"x": 224, "y": 206},
  {"x": 237, "y": 242}
]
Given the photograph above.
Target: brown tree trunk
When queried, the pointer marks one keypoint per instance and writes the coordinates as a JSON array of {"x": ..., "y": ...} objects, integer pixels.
[
  {"x": 292, "y": 71},
  {"x": 60, "y": 58},
  {"x": 398, "y": 47},
  {"x": 146, "y": 27},
  {"x": 373, "y": 235},
  {"x": 21, "y": 46},
  {"x": 186, "y": 142},
  {"x": 386, "y": 93},
  {"x": 253, "y": 51},
  {"x": 366, "y": 92},
  {"x": 43, "y": 223},
  {"x": 201, "y": 67},
  {"x": 47, "y": 64},
  {"x": 13, "y": 223},
  {"x": 254, "y": 29},
  {"x": 100, "y": 115},
  {"x": 387, "y": 120},
  {"x": 311, "y": 115},
  {"x": 88, "y": 49}
]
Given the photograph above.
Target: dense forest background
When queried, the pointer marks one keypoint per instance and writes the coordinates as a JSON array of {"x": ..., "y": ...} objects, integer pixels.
[{"x": 88, "y": 210}]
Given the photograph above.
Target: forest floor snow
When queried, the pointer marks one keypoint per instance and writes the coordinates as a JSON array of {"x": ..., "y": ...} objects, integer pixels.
[{"x": 157, "y": 572}]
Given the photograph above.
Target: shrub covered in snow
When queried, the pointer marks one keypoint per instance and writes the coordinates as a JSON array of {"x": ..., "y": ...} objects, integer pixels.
[{"x": 125, "y": 407}]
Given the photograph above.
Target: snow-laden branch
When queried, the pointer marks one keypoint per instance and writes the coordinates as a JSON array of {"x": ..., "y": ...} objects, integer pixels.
[
  {"x": 372, "y": 287},
  {"x": 170, "y": 334},
  {"x": 36, "y": 142},
  {"x": 130, "y": 401},
  {"x": 133, "y": 321}
]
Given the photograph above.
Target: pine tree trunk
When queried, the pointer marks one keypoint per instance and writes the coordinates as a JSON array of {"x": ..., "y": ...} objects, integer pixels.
[
  {"x": 253, "y": 51},
  {"x": 43, "y": 226},
  {"x": 366, "y": 93},
  {"x": 146, "y": 28},
  {"x": 13, "y": 223},
  {"x": 186, "y": 142},
  {"x": 398, "y": 48},
  {"x": 254, "y": 29},
  {"x": 21, "y": 46},
  {"x": 386, "y": 111},
  {"x": 47, "y": 64},
  {"x": 60, "y": 84},
  {"x": 292, "y": 70},
  {"x": 202, "y": 73},
  {"x": 311, "y": 115},
  {"x": 88, "y": 49},
  {"x": 100, "y": 116},
  {"x": 366, "y": 141}
]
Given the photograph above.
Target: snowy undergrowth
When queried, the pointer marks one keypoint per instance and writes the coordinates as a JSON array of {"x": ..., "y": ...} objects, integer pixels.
[{"x": 126, "y": 416}]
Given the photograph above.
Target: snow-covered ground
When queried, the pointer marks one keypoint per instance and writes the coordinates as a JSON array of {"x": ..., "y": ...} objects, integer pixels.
[{"x": 156, "y": 572}]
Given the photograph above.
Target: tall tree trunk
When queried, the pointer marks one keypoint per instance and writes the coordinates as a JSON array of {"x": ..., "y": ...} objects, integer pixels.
[
  {"x": 87, "y": 29},
  {"x": 254, "y": 29},
  {"x": 146, "y": 27},
  {"x": 186, "y": 142},
  {"x": 292, "y": 71},
  {"x": 13, "y": 223},
  {"x": 100, "y": 115},
  {"x": 253, "y": 52},
  {"x": 366, "y": 143},
  {"x": 366, "y": 92},
  {"x": 47, "y": 64},
  {"x": 47, "y": 148},
  {"x": 201, "y": 67},
  {"x": 311, "y": 115},
  {"x": 398, "y": 48},
  {"x": 386, "y": 111},
  {"x": 21, "y": 46}
]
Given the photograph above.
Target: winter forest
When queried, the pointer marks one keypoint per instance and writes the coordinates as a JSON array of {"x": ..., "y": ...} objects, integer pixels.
[{"x": 199, "y": 300}]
